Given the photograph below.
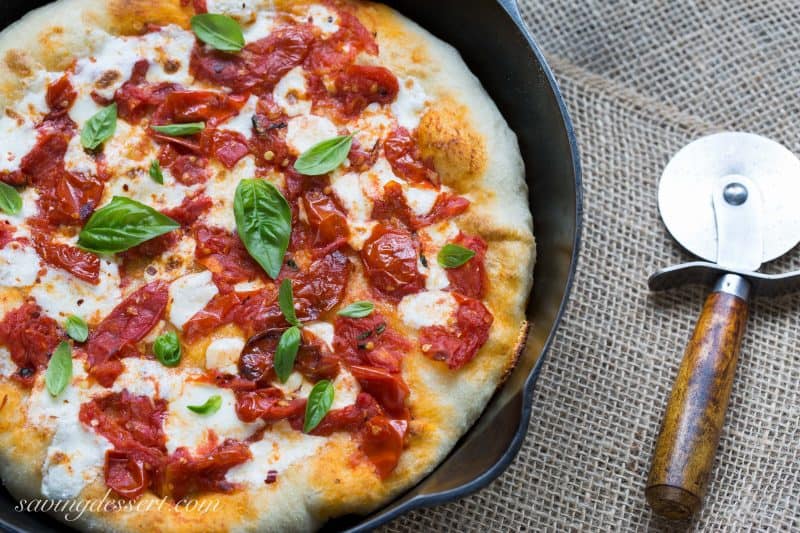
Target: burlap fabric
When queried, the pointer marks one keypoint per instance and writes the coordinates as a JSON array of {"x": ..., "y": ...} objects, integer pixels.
[{"x": 641, "y": 79}]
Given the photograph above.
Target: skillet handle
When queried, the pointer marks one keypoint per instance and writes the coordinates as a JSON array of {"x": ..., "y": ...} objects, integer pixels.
[
  {"x": 512, "y": 7},
  {"x": 685, "y": 449}
]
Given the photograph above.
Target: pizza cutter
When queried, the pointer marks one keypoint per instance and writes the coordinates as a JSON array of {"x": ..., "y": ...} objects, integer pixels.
[{"x": 732, "y": 199}]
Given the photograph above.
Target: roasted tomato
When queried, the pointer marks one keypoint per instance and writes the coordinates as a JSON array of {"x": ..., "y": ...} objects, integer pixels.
[
  {"x": 388, "y": 388},
  {"x": 382, "y": 441},
  {"x": 127, "y": 324},
  {"x": 31, "y": 336},
  {"x": 267, "y": 404},
  {"x": 470, "y": 278},
  {"x": 405, "y": 158},
  {"x": 326, "y": 219},
  {"x": 369, "y": 341},
  {"x": 127, "y": 475},
  {"x": 210, "y": 107},
  {"x": 390, "y": 260},
  {"x": 457, "y": 345},
  {"x": 357, "y": 86},
  {"x": 260, "y": 64}
]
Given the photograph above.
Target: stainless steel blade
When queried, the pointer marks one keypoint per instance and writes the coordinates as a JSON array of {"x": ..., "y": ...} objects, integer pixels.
[{"x": 698, "y": 197}]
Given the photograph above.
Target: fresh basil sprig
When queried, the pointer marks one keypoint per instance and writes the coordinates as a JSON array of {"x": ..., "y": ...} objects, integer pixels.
[
  {"x": 180, "y": 130},
  {"x": 324, "y": 156},
  {"x": 168, "y": 349},
  {"x": 122, "y": 224},
  {"x": 264, "y": 222},
  {"x": 59, "y": 369},
  {"x": 319, "y": 403},
  {"x": 156, "y": 173},
  {"x": 357, "y": 309},
  {"x": 100, "y": 127},
  {"x": 219, "y": 31},
  {"x": 452, "y": 255},
  {"x": 76, "y": 328},
  {"x": 211, "y": 406},
  {"x": 286, "y": 353},
  {"x": 10, "y": 200},
  {"x": 289, "y": 343},
  {"x": 286, "y": 301}
]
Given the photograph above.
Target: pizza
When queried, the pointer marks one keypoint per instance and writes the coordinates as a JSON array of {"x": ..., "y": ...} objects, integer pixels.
[{"x": 262, "y": 263}]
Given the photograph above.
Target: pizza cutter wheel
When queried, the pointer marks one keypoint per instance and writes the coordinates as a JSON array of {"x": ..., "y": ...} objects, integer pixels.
[{"x": 732, "y": 199}]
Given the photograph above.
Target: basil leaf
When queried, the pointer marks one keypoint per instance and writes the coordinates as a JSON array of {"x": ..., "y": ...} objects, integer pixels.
[
  {"x": 219, "y": 31},
  {"x": 168, "y": 349},
  {"x": 156, "y": 173},
  {"x": 453, "y": 255},
  {"x": 318, "y": 404},
  {"x": 59, "y": 369},
  {"x": 286, "y": 301},
  {"x": 76, "y": 328},
  {"x": 211, "y": 406},
  {"x": 122, "y": 224},
  {"x": 10, "y": 200},
  {"x": 100, "y": 127},
  {"x": 264, "y": 222},
  {"x": 357, "y": 309},
  {"x": 324, "y": 156},
  {"x": 286, "y": 352},
  {"x": 180, "y": 130}
]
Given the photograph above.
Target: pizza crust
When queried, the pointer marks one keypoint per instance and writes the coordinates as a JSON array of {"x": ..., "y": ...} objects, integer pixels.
[{"x": 476, "y": 154}]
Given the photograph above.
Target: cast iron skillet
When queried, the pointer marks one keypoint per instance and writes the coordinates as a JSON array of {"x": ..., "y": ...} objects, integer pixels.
[{"x": 496, "y": 45}]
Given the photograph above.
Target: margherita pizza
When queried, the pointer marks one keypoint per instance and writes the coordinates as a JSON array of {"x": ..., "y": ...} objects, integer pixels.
[{"x": 270, "y": 256}]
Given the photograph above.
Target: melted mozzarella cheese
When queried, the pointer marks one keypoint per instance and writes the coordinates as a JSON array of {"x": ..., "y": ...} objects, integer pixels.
[
  {"x": 421, "y": 199},
  {"x": 130, "y": 149},
  {"x": 305, "y": 131},
  {"x": 74, "y": 459},
  {"x": 223, "y": 354},
  {"x": 7, "y": 366},
  {"x": 189, "y": 295},
  {"x": 104, "y": 72},
  {"x": 61, "y": 294},
  {"x": 77, "y": 160},
  {"x": 347, "y": 188},
  {"x": 183, "y": 427},
  {"x": 323, "y": 18},
  {"x": 76, "y": 454},
  {"x": 247, "y": 286},
  {"x": 17, "y": 123},
  {"x": 427, "y": 308},
  {"x": 242, "y": 10},
  {"x": 345, "y": 390},
  {"x": 291, "y": 93},
  {"x": 222, "y": 189},
  {"x": 409, "y": 105},
  {"x": 243, "y": 122},
  {"x": 146, "y": 377},
  {"x": 18, "y": 140},
  {"x": 19, "y": 265},
  {"x": 260, "y": 28},
  {"x": 372, "y": 125},
  {"x": 278, "y": 450},
  {"x": 169, "y": 52},
  {"x": 322, "y": 330},
  {"x": 377, "y": 176},
  {"x": 175, "y": 262},
  {"x": 295, "y": 385},
  {"x": 433, "y": 238},
  {"x": 30, "y": 207}
]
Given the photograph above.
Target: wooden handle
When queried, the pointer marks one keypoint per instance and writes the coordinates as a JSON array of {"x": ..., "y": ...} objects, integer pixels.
[{"x": 689, "y": 436}]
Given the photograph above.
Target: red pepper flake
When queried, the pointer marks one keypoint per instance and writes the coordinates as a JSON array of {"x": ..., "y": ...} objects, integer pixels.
[{"x": 272, "y": 476}]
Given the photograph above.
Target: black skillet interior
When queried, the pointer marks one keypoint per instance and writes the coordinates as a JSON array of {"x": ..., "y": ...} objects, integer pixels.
[{"x": 491, "y": 37}]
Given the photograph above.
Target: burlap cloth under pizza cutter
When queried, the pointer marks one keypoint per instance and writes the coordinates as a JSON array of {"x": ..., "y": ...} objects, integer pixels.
[{"x": 641, "y": 79}]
